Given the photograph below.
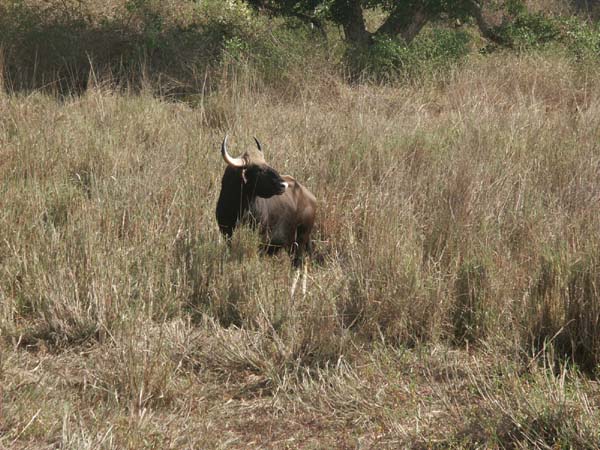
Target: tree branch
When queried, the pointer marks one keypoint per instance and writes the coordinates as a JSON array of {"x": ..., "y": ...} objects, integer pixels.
[
  {"x": 485, "y": 28},
  {"x": 290, "y": 12},
  {"x": 405, "y": 22}
]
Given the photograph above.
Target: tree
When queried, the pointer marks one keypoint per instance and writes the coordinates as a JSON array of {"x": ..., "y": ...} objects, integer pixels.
[{"x": 404, "y": 18}]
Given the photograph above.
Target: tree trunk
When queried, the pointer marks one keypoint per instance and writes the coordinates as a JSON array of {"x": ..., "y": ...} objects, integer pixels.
[
  {"x": 349, "y": 13},
  {"x": 406, "y": 22},
  {"x": 418, "y": 21}
]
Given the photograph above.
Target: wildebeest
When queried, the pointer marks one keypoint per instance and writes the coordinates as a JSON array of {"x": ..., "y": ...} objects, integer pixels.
[{"x": 253, "y": 192}]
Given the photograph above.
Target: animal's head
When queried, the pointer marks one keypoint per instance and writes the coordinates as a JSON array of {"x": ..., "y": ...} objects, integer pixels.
[{"x": 256, "y": 176}]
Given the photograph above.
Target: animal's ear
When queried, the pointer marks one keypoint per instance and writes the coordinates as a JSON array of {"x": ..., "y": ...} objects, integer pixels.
[
  {"x": 258, "y": 145},
  {"x": 244, "y": 179}
]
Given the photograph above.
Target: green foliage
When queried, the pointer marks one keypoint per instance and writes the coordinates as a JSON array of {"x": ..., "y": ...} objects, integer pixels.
[
  {"x": 34, "y": 36},
  {"x": 382, "y": 60},
  {"x": 190, "y": 44},
  {"x": 43, "y": 43},
  {"x": 515, "y": 7},
  {"x": 55, "y": 44},
  {"x": 582, "y": 39},
  {"x": 435, "y": 50},
  {"x": 342, "y": 11},
  {"x": 280, "y": 55},
  {"x": 530, "y": 30}
]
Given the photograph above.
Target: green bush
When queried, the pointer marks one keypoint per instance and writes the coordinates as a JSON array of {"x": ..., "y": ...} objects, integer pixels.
[
  {"x": 529, "y": 30},
  {"x": 280, "y": 55},
  {"x": 582, "y": 39},
  {"x": 434, "y": 50},
  {"x": 57, "y": 46}
]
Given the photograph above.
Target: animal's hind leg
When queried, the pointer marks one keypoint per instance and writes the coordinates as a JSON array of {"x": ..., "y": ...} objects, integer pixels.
[
  {"x": 294, "y": 253},
  {"x": 295, "y": 282},
  {"x": 304, "y": 276},
  {"x": 303, "y": 244},
  {"x": 297, "y": 256}
]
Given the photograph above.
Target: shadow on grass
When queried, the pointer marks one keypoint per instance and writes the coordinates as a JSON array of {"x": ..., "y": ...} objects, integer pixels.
[{"x": 63, "y": 56}]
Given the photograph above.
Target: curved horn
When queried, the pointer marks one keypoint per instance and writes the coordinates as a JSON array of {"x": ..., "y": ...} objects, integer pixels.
[
  {"x": 258, "y": 144},
  {"x": 235, "y": 162}
]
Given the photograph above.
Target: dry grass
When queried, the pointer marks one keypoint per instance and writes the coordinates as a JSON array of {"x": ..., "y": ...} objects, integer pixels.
[{"x": 452, "y": 296}]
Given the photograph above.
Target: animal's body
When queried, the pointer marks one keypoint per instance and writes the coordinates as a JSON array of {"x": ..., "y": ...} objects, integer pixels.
[{"x": 255, "y": 193}]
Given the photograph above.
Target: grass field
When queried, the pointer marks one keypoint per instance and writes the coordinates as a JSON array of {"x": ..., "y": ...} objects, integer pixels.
[{"x": 452, "y": 296}]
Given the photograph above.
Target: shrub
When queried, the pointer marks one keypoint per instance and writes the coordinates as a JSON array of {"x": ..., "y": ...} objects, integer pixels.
[
  {"x": 582, "y": 40},
  {"x": 59, "y": 46},
  {"x": 434, "y": 50},
  {"x": 530, "y": 30}
]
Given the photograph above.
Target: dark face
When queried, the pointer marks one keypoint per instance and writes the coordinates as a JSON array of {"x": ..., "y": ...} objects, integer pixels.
[{"x": 264, "y": 181}]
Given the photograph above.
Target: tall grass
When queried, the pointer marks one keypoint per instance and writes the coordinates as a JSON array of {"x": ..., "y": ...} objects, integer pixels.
[
  {"x": 452, "y": 215},
  {"x": 452, "y": 295}
]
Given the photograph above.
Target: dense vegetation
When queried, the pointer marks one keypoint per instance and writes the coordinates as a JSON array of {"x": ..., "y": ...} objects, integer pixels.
[{"x": 453, "y": 291}]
